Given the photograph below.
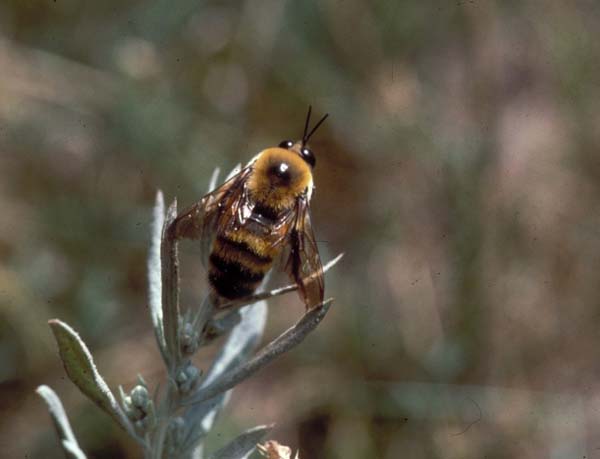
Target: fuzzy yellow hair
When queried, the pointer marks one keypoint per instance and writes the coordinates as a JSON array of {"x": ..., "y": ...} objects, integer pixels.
[{"x": 278, "y": 197}]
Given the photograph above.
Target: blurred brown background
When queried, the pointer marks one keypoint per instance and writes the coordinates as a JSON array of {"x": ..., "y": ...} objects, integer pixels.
[{"x": 459, "y": 170}]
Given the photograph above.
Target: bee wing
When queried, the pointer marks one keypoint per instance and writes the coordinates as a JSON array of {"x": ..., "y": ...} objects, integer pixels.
[
  {"x": 223, "y": 206},
  {"x": 304, "y": 263}
]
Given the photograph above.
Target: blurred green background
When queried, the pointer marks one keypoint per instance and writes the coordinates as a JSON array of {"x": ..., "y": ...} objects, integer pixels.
[{"x": 459, "y": 171}]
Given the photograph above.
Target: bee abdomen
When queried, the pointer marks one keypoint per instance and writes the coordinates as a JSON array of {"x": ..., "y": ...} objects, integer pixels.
[
  {"x": 232, "y": 274},
  {"x": 241, "y": 250}
]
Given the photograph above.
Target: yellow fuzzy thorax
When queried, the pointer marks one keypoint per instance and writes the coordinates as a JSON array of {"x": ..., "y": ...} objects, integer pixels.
[{"x": 263, "y": 189}]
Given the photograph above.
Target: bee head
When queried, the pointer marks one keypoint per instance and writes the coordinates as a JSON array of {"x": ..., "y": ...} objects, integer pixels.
[
  {"x": 302, "y": 150},
  {"x": 300, "y": 147},
  {"x": 279, "y": 176}
]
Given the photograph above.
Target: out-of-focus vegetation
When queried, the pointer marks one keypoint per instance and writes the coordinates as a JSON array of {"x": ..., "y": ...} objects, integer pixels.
[{"x": 459, "y": 170}]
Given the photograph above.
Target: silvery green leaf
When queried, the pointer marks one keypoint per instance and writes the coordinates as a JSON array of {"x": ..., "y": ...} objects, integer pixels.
[
  {"x": 80, "y": 367},
  {"x": 286, "y": 341},
  {"x": 219, "y": 326},
  {"x": 213, "y": 180},
  {"x": 200, "y": 424},
  {"x": 170, "y": 290},
  {"x": 242, "y": 446},
  {"x": 61, "y": 423},
  {"x": 331, "y": 263},
  {"x": 240, "y": 344},
  {"x": 234, "y": 171},
  {"x": 154, "y": 273},
  {"x": 242, "y": 341}
]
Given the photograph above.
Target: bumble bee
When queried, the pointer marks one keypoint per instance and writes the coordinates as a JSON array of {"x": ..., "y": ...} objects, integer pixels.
[{"x": 256, "y": 217}]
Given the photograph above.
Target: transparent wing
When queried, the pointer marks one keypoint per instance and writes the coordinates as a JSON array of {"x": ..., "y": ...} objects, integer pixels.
[
  {"x": 304, "y": 263},
  {"x": 222, "y": 207}
]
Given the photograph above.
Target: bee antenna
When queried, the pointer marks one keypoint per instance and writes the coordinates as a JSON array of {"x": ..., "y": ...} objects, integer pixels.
[{"x": 306, "y": 137}]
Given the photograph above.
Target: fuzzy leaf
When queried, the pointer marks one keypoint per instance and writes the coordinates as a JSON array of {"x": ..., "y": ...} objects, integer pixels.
[
  {"x": 242, "y": 446},
  {"x": 212, "y": 184},
  {"x": 242, "y": 341},
  {"x": 286, "y": 341},
  {"x": 154, "y": 272},
  {"x": 240, "y": 344},
  {"x": 234, "y": 171},
  {"x": 61, "y": 423},
  {"x": 218, "y": 326},
  {"x": 80, "y": 367},
  {"x": 170, "y": 290}
]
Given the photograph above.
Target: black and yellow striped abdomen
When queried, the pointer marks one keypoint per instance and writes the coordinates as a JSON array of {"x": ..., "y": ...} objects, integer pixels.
[
  {"x": 236, "y": 266},
  {"x": 240, "y": 258}
]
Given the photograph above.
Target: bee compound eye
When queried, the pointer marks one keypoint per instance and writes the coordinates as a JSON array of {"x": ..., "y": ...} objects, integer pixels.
[
  {"x": 287, "y": 144},
  {"x": 308, "y": 156}
]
